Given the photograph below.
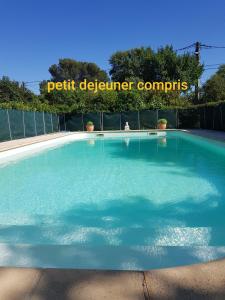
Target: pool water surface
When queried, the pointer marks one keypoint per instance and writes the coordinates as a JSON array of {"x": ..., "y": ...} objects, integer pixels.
[{"x": 124, "y": 203}]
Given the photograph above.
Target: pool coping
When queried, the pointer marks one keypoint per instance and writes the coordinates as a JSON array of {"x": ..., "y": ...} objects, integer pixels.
[
  {"x": 14, "y": 144},
  {"x": 18, "y": 143},
  {"x": 18, "y": 148}
]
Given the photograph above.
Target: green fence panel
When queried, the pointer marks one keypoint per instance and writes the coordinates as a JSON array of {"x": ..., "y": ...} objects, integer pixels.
[
  {"x": 111, "y": 121},
  {"x": 202, "y": 117},
  {"x": 55, "y": 122},
  {"x": 16, "y": 124},
  {"x": 188, "y": 118},
  {"x": 217, "y": 124},
  {"x": 209, "y": 117},
  {"x": 39, "y": 123},
  {"x": 48, "y": 123},
  {"x": 62, "y": 122},
  {"x": 148, "y": 119},
  {"x": 222, "y": 107},
  {"x": 93, "y": 117},
  {"x": 29, "y": 122},
  {"x": 132, "y": 117},
  {"x": 170, "y": 115},
  {"x": 74, "y": 122},
  {"x": 4, "y": 126}
]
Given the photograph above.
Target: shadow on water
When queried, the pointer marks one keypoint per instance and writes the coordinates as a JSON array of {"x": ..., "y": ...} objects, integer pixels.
[
  {"x": 140, "y": 236},
  {"x": 130, "y": 221}
]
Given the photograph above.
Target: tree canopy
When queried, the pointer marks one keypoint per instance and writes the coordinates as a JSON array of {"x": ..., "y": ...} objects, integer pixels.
[
  {"x": 163, "y": 65},
  {"x": 139, "y": 64},
  {"x": 11, "y": 90},
  {"x": 214, "y": 88},
  {"x": 76, "y": 70}
]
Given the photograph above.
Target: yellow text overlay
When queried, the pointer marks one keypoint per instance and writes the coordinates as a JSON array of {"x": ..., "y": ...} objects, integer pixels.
[{"x": 95, "y": 86}]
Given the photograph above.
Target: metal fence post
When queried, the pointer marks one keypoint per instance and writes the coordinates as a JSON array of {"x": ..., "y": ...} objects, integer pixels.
[
  {"x": 82, "y": 118},
  {"x": 58, "y": 123},
  {"x": 52, "y": 123},
  {"x": 204, "y": 119},
  {"x": 102, "y": 126},
  {"x": 157, "y": 116},
  {"x": 221, "y": 118},
  {"x": 24, "y": 130},
  {"x": 44, "y": 122},
  {"x": 139, "y": 124},
  {"x": 10, "y": 132},
  {"x": 35, "y": 124},
  {"x": 64, "y": 118},
  {"x": 120, "y": 121}
]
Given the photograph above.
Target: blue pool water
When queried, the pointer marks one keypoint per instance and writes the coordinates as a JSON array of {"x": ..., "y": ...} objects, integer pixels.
[{"x": 125, "y": 203}]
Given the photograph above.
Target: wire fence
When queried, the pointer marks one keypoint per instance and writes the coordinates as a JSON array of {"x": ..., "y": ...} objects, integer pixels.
[
  {"x": 15, "y": 124},
  {"x": 206, "y": 117},
  {"x": 138, "y": 120}
]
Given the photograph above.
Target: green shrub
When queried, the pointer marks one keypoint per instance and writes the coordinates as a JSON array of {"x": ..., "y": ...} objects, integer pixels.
[
  {"x": 162, "y": 121},
  {"x": 90, "y": 123}
]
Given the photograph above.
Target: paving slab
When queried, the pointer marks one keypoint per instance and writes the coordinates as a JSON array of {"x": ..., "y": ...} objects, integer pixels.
[
  {"x": 88, "y": 285},
  {"x": 193, "y": 282},
  {"x": 17, "y": 284}
]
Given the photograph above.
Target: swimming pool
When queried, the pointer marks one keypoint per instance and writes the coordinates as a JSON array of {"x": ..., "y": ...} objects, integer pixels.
[{"x": 115, "y": 203}]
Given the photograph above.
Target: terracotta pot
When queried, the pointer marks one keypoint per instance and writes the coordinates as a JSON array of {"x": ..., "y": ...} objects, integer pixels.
[
  {"x": 90, "y": 127},
  {"x": 161, "y": 126}
]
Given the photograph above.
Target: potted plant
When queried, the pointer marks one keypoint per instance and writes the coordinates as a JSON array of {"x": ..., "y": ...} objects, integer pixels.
[
  {"x": 162, "y": 123},
  {"x": 90, "y": 126}
]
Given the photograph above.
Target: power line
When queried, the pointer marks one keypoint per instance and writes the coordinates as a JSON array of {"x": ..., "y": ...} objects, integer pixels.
[
  {"x": 27, "y": 82},
  {"x": 211, "y": 69},
  {"x": 203, "y": 46},
  {"x": 214, "y": 65},
  {"x": 187, "y": 47},
  {"x": 209, "y": 46},
  {"x": 31, "y": 83}
]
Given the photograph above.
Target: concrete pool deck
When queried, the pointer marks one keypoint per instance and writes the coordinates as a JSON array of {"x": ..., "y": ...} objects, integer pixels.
[
  {"x": 203, "y": 281},
  {"x": 9, "y": 145},
  {"x": 210, "y": 134}
]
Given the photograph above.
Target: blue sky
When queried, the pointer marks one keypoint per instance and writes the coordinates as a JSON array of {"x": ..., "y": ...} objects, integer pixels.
[{"x": 35, "y": 34}]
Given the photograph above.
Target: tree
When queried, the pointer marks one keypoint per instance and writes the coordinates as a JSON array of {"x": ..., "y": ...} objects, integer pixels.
[
  {"x": 163, "y": 65},
  {"x": 11, "y": 90},
  {"x": 130, "y": 63},
  {"x": 75, "y": 70},
  {"x": 214, "y": 88}
]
